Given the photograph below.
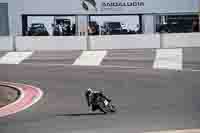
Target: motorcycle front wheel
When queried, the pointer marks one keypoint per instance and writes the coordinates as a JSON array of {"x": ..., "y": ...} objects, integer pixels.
[{"x": 113, "y": 108}]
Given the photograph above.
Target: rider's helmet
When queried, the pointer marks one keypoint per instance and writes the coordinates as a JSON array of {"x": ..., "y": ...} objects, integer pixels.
[{"x": 89, "y": 91}]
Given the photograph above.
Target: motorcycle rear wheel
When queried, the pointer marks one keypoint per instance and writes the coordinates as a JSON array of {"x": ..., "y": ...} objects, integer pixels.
[{"x": 103, "y": 108}]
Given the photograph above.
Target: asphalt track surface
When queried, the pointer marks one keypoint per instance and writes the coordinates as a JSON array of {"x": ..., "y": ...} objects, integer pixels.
[
  {"x": 147, "y": 99},
  {"x": 138, "y": 58},
  {"x": 191, "y": 58},
  {"x": 142, "y": 58},
  {"x": 53, "y": 57}
]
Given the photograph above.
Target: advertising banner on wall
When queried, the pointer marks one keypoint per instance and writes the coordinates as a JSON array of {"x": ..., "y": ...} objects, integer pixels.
[{"x": 139, "y": 6}]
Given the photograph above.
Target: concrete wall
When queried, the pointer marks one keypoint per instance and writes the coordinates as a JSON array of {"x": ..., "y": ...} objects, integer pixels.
[
  {"x": 125, "y": 41},
  {"x": 100, "y": 42},
  {"x": 50, "y": 43},
  {"x": 6, "y": 43},
  {"x": 180, "y": 40},
  {"x": 149, "y": 23}
]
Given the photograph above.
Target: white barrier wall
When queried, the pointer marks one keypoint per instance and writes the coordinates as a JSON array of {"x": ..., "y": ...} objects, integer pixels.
[
  {"x": 6, "y": 43},
  {"x": 125, "y": 41},
  {"x": 51, "y": 43},
  {"x": 180, "y": 40},
  {"x": 173, "y": 40}
]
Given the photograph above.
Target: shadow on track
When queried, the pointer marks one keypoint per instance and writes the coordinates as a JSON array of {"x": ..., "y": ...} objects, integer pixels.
[{"x": 82, "y": 114}]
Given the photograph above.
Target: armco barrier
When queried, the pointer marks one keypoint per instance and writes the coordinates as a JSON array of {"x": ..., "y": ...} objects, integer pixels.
[
  {"x": 173, "y": 40},
  {"x": 51, "y": 43},
  {"x": 125, "y": 41},
  {"x": 6, "y": 43}
]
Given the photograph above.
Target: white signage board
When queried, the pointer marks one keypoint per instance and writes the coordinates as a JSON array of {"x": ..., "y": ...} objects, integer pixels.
[{"x": 107, "y": 6}]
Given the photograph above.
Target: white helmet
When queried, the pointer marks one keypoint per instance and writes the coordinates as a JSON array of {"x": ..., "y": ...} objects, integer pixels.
[{"x": 89, "y": 90}]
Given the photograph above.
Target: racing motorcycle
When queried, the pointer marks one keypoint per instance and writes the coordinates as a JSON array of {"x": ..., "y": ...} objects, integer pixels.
[{"x": 105, "y": 106}]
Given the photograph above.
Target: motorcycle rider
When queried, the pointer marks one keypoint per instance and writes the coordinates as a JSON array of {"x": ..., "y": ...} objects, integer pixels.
[{"x": 91, "y": 96}]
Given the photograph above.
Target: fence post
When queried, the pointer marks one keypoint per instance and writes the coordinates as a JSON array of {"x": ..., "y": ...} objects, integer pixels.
[
  {"x": 14, "y": 43},
  {"x": 161, "y": 41},
  {"x": 87, "y": 35}
]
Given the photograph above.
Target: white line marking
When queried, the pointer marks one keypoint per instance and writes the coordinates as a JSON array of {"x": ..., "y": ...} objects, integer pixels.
[
  {"x": 169, "y": 59},
  {"x": 193, "y": 70},
  {"x": 90, "y": 58},
  {"x": 15, "y": 57},
  {"x": 178, "y": 131}
]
